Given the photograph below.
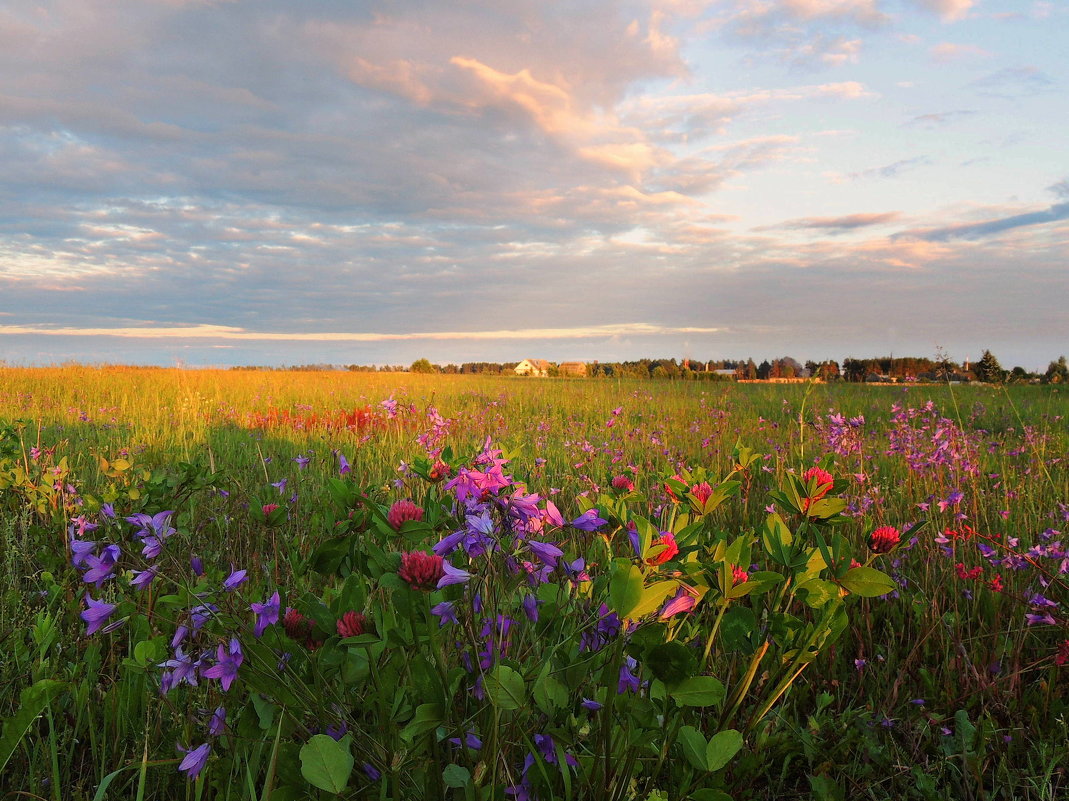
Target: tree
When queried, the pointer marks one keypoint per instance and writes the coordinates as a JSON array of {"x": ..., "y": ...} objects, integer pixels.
[
  {"x": 989, "y": 370},
  {"x": 422, "y": 366},
  {"x": 1057, "y": 372}
]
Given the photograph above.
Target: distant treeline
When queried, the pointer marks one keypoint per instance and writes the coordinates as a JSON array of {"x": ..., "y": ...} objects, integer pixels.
[{"x": 884, "y": 369}]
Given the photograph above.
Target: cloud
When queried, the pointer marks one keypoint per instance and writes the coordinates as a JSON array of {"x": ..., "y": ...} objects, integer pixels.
[
  {"x": 1014, "y": 82},
  {"x": 949, "y": 10},
  {"x": 849, "y": 222},
  {"x": 894, "y": 169},
  {"x": 222, "y": 332},
  {"x": 941, "y": 118},
  {"x": 945, "y": 52},
  {"x": 1056, "y": 213}
]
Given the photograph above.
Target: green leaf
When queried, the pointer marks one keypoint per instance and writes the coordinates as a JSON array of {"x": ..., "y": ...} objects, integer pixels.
[
  {"x": 505, "y": 688},
  {"x": 652, "y": 598},
  {"x": 672, "y": 662},
  {"x": 694, "y": 747},
  {"x": 625, "y": 587},
  {"x": 327, "y": 764},
  {"x": 708, "y": 794},
  {"x": 698, "y": 691},
  {"x": 549, "y": 693},
  {"x": 427, "y": 718},
  {"x": 456, "y": 776},
  {"x": 817, "y": 592},
  {"x": 722, "y": 748},
  {"x": 777, "y": 539},
  {"x": 868, "y": 582}
]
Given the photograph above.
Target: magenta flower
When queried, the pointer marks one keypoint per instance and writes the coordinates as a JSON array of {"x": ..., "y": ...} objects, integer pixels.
[
  {"x": 195, "y": 760},
  {"x": 96, "y": 614},
  {"x": 266, "y": 613}
]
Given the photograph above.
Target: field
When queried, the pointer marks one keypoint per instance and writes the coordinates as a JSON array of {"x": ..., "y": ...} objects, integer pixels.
[{"x": 289, "y": 585}]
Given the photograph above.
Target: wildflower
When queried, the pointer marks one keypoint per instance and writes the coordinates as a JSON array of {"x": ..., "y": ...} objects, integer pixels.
[
  {"x": 453, "y": 575},
  {"x": 143, "y": 578},
  {"x": 996, "y": 583},
  {"x": 738, "y": 575},
  {"x": 439, "y": 471},
  {"x": 884, "y": 539},
  {"x": 96, "y": 614},
  {"x": 81, "y": 550},
  {"x": 1061, "y": 659},
  {"x": 235, "y": 580},
  {"x": 683, "y": 601},
  {"x": 701, "y": 492},
  {"x": 268, "y": 508},
  {"x": 530, "y": 607},
  {"x": 1046, "y": 619},
  {"x": 471, "y": 740},
  {"x": 297, "y": 626},
  {"x": 622, "y": 483},
  {"x": 445, "y": 612},
  {"x": 371, "y": 772},
  {"x": 217, "y": 724},
  {"x": 197, "y": 565},
  {"x": 546, "y": 552},
  {"x": 266, "y": 613},
  {"x": 195, "y": 760},
  {"x": 591, "y": 705},
  {"x": 351, "y": 624},
  {"x": 820, "y": 481},
  {"x": 343, "y": 465},
  {"x": 181, "y": 668},
  {"x": 588, "y": 521},
  {"x": 668, "y": 548},
  {"x": 628, "y": 681},
  {"x": 101, "y": 567},
  {"x": 421, "y": 570},
  {"x": 402, "y": 511},
  {"x": 302, "y": 461},
  {"x": 229, "y": 660}
]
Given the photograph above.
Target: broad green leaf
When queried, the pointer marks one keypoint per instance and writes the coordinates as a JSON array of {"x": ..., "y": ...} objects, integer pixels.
[
  {"x": 505, "y": 688},
  {"x": 455, "y": 776},
  {"x": 868, "y": 582},
  {"x": 327, "y": 764},
  {"x": 817, "y": 592},
  {"x": 698, "y": 691},
  {"x": 625, "y": 588},
  {"x": 722, "y": 748},
  {"x": 652, "y": 598},
  {"x": 694, "y": 747},
  {"x": 549, "y": 693},
  {"x": 427, "y": 718}
]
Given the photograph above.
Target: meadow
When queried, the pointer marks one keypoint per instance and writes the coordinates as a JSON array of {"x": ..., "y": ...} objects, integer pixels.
[{"x": 293, "y": 585}]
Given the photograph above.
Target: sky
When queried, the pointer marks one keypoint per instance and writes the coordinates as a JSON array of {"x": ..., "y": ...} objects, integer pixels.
[{"x": 207, "y": 182}]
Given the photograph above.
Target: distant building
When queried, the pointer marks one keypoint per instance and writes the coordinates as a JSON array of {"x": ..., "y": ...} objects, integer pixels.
[
  {"x": 536, "y": 367},
  {"x": 725, "y": 373},
  {"x": 573, "y": 369}
]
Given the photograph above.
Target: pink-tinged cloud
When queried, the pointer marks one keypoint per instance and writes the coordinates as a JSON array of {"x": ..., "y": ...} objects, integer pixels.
[
  {"x": 949, "y": 10},
  {"x": 847, "y": 222},
  {"x": 224, "y": 332},
  {"x": 952, "y": 51}
]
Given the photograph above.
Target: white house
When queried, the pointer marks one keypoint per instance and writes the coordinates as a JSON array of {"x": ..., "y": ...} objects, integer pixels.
[{"x": 535, "y": 367}]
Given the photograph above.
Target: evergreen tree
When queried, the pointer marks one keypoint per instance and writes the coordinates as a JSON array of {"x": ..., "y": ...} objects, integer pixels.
[{"x": 989, "y": 370}]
